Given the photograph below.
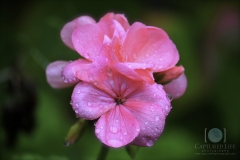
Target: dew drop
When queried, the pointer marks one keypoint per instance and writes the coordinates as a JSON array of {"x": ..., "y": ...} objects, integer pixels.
[
  {"x": 98, "y": 130},
  {"x": 109, "y": 72},
  {"x": 90, "y": 77},
  {"x": 134, "y": 56},
  {"x": 113, "y": 129},
  {"x": 149, "y": 143},
  {"x": 66, "y": 80},
  {"x": 95, "y": 83},
  {"x": 76, "y": 111},
  {"x": 170, "y": 97},
  {"x": 76, "y": 116}
]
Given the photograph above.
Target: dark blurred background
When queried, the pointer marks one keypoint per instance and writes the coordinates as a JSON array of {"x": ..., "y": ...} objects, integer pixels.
[{"x": 34, "y": 118}]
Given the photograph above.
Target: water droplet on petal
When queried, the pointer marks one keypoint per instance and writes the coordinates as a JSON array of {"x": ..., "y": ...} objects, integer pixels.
[
  {"x": 98, "y": 130},
  {"x": 95, "y": 83},
  {"x": 77, "y": 104},
  {"x": 157, "y": 118},
  {"x": 113, "y": 129},
  {"x": 134, "y": 56},
  {"x": 149, "y": 143},
  {"x": 76, "y": 116},
  {"x": 169, "y": 97},
  {"x": 90, "y": 77},
  {"x": 66, "y": 80},
  {"x": 109, "y": 72},
  {"x": 137, "y": 129}
]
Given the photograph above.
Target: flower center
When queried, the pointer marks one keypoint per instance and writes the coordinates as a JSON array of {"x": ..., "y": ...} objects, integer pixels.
[{"x": 119, "y": 100}]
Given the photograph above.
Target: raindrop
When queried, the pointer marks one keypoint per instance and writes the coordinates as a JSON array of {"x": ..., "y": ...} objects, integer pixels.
[
  {"x": 170, "y": 97},
  {"x": 76, "y": 111},
  {"x": 149, "y": 143},
  {"x": 66, "y": 80},
  {"x": 98, "y": 130},
  {"x": 90, "y": 77},
  {"x": 113, "y": 129},
  {"x": 76, "y": 116},
  {"x": 109, "y": 72},
  {"x": 157, "y": 118},
  {"x": 134, "y": 56},
  {"x": 95, "y": 83},
  {"x": 74, "y": 79}
]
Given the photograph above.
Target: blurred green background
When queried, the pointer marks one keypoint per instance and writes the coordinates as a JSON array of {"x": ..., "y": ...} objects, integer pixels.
[{"x": 35, "y": 118}]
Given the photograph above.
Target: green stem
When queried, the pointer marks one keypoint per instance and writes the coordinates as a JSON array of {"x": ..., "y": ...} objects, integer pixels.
[{"x": 103, "y": 152}]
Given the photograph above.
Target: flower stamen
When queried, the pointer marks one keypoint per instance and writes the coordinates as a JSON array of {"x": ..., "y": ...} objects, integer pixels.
[{"x": 119, "y": 100}]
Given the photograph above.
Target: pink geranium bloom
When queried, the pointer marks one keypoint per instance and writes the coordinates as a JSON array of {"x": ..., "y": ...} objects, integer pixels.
[
  {"x": 144, "y": 49},
  {"x": 129, "y": 111}
]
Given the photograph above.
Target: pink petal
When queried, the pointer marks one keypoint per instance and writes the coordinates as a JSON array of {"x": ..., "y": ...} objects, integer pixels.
[
  {"x": 150, "y": 46},
  {"x": 146, "y": 75},
  {"x": 150, "y": 105},
  {"x": 117, "y": 128},
  {"x": 128, "y": 72},
  {"x": 89, "y": 102},
  {"x": 112, "y": 27},
  {"x": 177, "y": 87},
  {"x": 87, "y": 40},
  {"x": 119, "y": 17},
  {"x": 67, "y": 30},
  {"x": 53, "y": 74},
  {"x": 70, "y": 71},
  {"x": 168, "y": 75}
]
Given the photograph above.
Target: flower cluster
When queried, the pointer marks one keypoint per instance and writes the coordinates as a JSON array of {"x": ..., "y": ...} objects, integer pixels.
[{"x": 124, "y": 78}]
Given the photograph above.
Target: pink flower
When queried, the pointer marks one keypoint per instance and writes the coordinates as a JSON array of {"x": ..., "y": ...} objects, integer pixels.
[
  {"x": 129, "y": 111},
  {"x": 144, "y": 49}
]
